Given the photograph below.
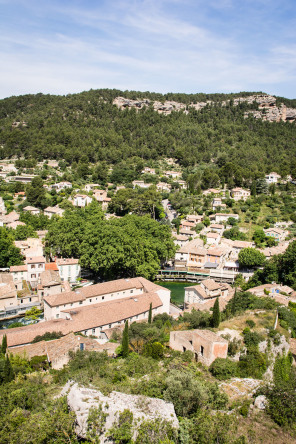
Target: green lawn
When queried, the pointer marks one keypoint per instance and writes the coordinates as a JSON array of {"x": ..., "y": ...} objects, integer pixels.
[{"x": 177, "y": 290}]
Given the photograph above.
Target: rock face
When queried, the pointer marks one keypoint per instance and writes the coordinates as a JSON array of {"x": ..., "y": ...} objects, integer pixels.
[
  {"x": 81, "y": 399},
  {"x": 261, "y": 402},
  {"x": 267, "y": 107}
]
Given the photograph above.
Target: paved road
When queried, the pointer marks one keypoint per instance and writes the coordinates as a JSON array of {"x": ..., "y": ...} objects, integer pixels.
[{"x": 171, "y": 214}]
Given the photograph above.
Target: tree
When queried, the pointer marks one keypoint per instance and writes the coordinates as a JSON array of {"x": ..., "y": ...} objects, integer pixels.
[
  {"x": 35, "y": 192},
  {"x": 4, "y": 345},
  {"x": 259, "y": 237},
  {"x": 150, "y": 314},
  {"x": 216, "y": 314},
  {"x": 250, "y": 258},
  {"x": 125, "y": 341},
  {"x": 9, "y": 254},
  {"x": 8, "y": 373}
]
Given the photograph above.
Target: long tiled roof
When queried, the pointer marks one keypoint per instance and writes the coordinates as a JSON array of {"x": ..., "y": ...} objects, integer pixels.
[
  {"x": 100, "y": 289},
  {"x": 84, "y": 318}
]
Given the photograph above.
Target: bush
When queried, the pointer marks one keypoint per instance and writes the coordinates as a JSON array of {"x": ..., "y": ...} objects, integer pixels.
[
  {"x": 223, "y": 368},
  {"x": 250, "y": 323}
]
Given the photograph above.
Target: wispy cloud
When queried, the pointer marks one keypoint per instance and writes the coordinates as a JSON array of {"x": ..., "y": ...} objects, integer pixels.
[{"x": 181, "y": 46}]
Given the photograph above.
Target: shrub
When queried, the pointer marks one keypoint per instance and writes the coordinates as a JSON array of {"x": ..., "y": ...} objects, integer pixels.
[
  {"x": 250, "y": 323},
  {"x": 223, "y": 368}
]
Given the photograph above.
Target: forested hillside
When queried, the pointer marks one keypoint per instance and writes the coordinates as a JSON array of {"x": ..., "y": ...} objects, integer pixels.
[{"x": 88, "y": 127}]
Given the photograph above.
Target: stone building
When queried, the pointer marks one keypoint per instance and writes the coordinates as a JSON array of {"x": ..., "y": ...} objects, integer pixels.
[{"x": 206, "y": 345}]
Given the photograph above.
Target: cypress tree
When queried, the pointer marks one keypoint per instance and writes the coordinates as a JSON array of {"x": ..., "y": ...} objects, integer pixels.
[
  {"x": 150, "y": 314},
  {"x": 125, "y": 341},
  {"x": 4, "y": 345},
  {"x": 8, "y": 373},
  {"x": 216, "y": 314}
]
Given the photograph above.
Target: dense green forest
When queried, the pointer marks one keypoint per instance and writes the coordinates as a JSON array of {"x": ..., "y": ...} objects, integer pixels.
[{"x": 88, "y": 127}]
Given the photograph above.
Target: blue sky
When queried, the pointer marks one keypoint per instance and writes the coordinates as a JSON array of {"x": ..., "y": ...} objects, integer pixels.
[{"x": 190, "y": 46}]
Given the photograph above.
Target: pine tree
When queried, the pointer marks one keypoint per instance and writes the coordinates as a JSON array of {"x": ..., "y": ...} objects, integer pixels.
[
  {"x": 125, "y": 341},
  {"x": 150, "y": 314},
  {"x": 216, "y": 314},
  {"x": 8, "y": 373},
  {"x": 3, "y": 345}
]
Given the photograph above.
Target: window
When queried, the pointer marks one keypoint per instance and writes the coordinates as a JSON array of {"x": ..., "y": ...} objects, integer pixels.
[
  {"x": 33, "y": 266},
  {"x": 103, "y": 297},
  {"x": 80, "y": 302},
  {"x": 33, "y": 276},
  {"x": 81, "y": 346},
  {"x": 110, "y": 325},
  {"x": 22, "y": 301},
  {"x": 30, "y": 299},
  {"x": 90, "y": 300},
  {"x": 85, "y": 332},
  {"x": 132, "y": 291},
  {"x": 190, "y": 342},
  {"x": 201, "y": 350},
  {"x": 57, "y": 316},
  {"x": 93, "y": 331},
  {"x": 39, "y": 265}
]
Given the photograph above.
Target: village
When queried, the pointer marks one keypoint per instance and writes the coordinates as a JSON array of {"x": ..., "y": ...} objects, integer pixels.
[{"x": 208, "y": 259}]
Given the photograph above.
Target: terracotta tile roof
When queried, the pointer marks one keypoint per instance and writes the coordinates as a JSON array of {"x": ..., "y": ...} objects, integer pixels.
[
  {"x": 210, "y": 284},
  {"x": 29, "y": 208},
  {"x": 35, "y": 260},
  {"x": 218, "y": 226},
  {"x": 15, "y": 268},
  {"x": 67, "y": 261},
  {"x": 242, "y": 244},
  {"x": 192, "y": 246},
  {"x": 58, "y": 348},
  {"x": 213, "y": 235},
  {"x": 15, "y": 224},
  {"x": 104, "y": 313},
  {"x": 84, "y": 318},
  {"x": 50, "y": 278},
  {"x": 98, "y": 290},
  {"x": 215, "y": 252},
  {"x": 51, "y": 266}
]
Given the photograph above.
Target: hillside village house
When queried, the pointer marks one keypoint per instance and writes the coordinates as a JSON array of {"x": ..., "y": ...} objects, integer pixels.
[
  {"x": 276, "y": 233},
  {"x": 91, "y": 186},
  {"x": 211, "y": 191},
  {"x": 31, "y": 210},
  {"x": 81, "y": 200},
  {"x": 61, "y": 186},
  {"x": 162, "y": 186},
  {"x": 217, "y": 228},
  {"x": 141, "y": 184},
  {"x": 206, "y": 345},
  {"x": 194, "y": 218},
  {"x": 148, "y": 170},
  {"x": 213, "y": 238},
  {"x": 240, "y": 193},
  {"x": 217, "y": 202},
  {"x": 69, "y": 269},
  {"x": 8, "y": 292},
  {"x": 223, "y": 217},
  {"x": 207, "y": 289},
  {"x": 179, "y": 239},
  {"x": 187, "y": 225},
  {"x": 35, "y": 266},
  {"x": 53, "y": 211},
  {"x": 95, "y": 309},
  {"x": 191, "y": 254},
  {"x": 15, "y": 224},
  {"x": 281, "y": 293},
  {"x": 50, "y": 283},
  {"x": 32, "y": 247},
  {"x": 173, "y": 174},
  {"x": 272, "y": 178},
  {"x": 101, "y": 196}
]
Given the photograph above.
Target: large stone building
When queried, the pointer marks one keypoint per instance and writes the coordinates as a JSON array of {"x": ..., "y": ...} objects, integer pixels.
[
  {"x": 96, "y": 309},
  {"x": 206, "y": 345}
]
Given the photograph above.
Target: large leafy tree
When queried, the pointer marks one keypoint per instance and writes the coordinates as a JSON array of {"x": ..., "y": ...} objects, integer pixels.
[
  {"x": 9, "y": 253},
  {"x": 250, "y": 258},
  {"x": 129, "y": 246}
]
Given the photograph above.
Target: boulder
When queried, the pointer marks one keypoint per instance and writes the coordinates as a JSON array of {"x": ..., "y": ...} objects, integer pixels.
[{"x": 81, "y": 399}]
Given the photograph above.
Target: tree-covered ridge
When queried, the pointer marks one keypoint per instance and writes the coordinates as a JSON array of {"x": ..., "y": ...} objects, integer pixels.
[{"x": 88, "y": 124}]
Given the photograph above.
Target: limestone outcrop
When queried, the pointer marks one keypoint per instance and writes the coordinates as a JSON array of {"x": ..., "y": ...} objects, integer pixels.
[
  {"x": 82, "y": 399},
  {"x": 267, "y": 109}
]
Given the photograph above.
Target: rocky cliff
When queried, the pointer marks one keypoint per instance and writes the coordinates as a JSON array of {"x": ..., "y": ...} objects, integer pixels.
[{"x": 267, "y": 109}]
